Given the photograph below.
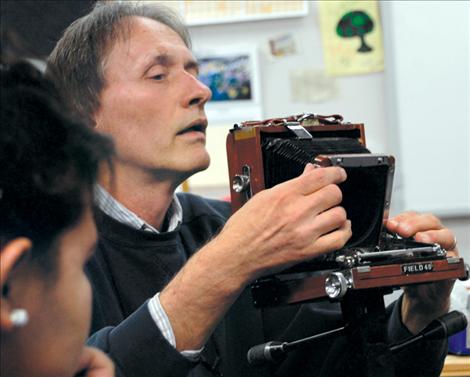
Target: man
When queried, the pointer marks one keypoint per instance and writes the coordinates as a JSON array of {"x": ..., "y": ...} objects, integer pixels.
[
  {"x": 130, "y": 74},
  {"x": 49, "y": 166}
]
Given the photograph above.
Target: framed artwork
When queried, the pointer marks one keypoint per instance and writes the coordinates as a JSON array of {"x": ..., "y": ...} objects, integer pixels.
[
  {"x": 229, "y": 77},
  {"x": 232, "y": 74}
]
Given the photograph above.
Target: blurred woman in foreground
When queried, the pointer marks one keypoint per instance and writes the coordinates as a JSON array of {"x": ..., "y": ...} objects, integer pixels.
[{"x": 48, "y": 166}]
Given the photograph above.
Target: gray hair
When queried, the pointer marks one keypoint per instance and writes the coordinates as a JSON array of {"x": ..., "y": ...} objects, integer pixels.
[{"x": 77, "y": 61}]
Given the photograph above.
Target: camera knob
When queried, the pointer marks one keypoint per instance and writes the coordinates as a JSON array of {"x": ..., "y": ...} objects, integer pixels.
[
  {"x": 336, "y": 285},
  {"x": 240, "y": 183}
]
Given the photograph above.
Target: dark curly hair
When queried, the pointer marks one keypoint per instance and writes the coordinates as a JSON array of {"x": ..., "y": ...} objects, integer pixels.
[{"x": 48, "y": 162}]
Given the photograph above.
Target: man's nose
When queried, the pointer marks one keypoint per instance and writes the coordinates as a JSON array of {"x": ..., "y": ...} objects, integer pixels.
[{"x": 198, "y": 93}]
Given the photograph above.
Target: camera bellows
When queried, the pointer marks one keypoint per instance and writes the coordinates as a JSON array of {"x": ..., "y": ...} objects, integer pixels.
[{"x": 363, "y": 191}]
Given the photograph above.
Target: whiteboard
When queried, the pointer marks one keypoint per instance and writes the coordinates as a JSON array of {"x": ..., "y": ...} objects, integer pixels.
[{"x": 427, "y": 103}]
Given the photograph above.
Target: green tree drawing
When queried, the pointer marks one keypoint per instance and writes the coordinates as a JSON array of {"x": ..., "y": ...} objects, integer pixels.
[{"x": 356, "y": 24}]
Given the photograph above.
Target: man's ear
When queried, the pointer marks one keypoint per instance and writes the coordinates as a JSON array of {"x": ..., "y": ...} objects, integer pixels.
[{"x": 10, "y": 254}]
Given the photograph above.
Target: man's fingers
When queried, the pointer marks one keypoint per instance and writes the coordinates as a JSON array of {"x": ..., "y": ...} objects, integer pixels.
[
  {"x": 309, "y": 167},
  {"x": 329, "y": 220},
  {"x": 425, "y": 228},
  {"x": 443, "y": 237},
  {"x": 410, "y": 223},
  {"x": 327, "y": 197},
  {"x": 314, "y": 179},
  {"x": 332, "y": 241},
  {"x": 395, "y": 222},
  {"x": 405, "y": 215}
]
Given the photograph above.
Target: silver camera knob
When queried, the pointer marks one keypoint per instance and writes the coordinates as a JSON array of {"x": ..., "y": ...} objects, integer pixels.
[
  {"x": 336, "y": 285},
  {"x": 240, "y": 183}
]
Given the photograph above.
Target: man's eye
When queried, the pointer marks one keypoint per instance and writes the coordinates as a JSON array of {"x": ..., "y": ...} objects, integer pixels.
[{"x": 158, "y": 77}]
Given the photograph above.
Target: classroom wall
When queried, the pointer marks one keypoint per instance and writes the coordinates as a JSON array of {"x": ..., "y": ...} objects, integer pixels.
[
  {"x": 428, "y": 102},
  {"x": 361, "y": 98}
]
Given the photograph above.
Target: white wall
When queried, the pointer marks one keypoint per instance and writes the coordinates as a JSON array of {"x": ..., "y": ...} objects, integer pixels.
[{"x": 428, "y": 102}]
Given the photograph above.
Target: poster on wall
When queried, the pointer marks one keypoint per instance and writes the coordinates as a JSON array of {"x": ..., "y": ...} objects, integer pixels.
[
  {"x": 232, "y": 76},
  {"x": 352, "y": 37}
]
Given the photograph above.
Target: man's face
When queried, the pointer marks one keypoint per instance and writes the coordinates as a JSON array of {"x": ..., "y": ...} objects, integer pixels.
[
  {"x": 152, "y": 103},
  {"x": 59, "y": 307}
]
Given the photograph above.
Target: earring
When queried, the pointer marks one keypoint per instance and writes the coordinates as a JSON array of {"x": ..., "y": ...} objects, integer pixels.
[{"x": 19, "y": 317}]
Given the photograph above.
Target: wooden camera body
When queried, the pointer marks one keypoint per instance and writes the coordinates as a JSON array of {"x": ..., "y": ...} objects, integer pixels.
[{"x": 263, "y": 154}]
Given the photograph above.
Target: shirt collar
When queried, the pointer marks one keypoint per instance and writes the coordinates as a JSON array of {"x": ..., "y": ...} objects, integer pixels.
[{"x": 105, "y": 201}]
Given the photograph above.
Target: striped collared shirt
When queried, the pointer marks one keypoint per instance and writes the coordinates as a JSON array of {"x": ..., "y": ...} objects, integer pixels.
[{"x": 118, "y": 212}]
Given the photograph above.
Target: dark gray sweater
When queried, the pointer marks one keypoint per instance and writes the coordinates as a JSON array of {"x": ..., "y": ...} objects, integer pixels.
[{"x": 130, "y": 266}]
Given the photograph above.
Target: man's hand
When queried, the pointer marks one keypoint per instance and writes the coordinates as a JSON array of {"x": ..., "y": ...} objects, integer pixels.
[
  {"x": 295, "y": 221},
  {"x": 94, "y": 363},
  {"x": 424, "y": 302}
]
